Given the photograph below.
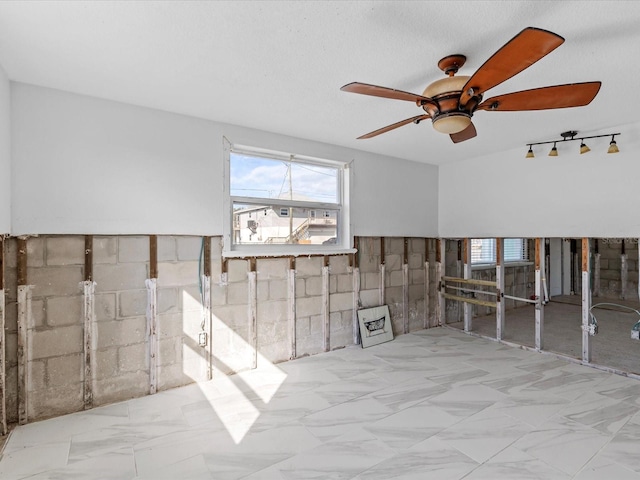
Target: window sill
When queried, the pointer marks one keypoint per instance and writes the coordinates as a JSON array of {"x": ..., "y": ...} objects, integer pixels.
[
  {"x": 492, "y": 266},
  {"x": 286, "y": 252}
]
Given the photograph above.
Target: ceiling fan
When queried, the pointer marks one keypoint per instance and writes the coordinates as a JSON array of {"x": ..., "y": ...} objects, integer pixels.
[{"x": 451, "y": 102}]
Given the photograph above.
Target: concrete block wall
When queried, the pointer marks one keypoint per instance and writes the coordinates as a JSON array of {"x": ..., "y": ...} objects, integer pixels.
[
  {"x": 610, "y": 250},
  {"x": 120, "y": 365}
]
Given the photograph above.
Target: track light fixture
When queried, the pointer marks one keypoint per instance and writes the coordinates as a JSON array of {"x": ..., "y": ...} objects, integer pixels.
[{"x": 570, "y": 136}]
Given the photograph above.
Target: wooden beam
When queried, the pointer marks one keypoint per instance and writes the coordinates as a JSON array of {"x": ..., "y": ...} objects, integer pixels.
[
  {"x": 468, "y": 309},
  {"x": 500, "y": 274},
  {"x": 425, "y": 323},
  {"x": 405, "y": 286},
  {"x": 586, "y": 303},
  {"x": 3, "y": 342},
  {"x": 382, "y": 259},
  {"x": 207, "y": 256},
  {"x": 253, "y": 312},
  {"x": 153, "y": 256},
  {"x": 440, "y": 305},
  {"x": 291, "y": 307},
  {"x": 22, "y": 261},
  {"x": 469, "y": 281},
  {"x": 356, "y": 256},
  {"x": 326, "y": 318},
  {"x": 88, "y": 258},
  {"x": 2, "y": 262},
  {"x": 88, "y": 316},
  {"x": 469, "y": 300},
  {"x": 539, "y": 306}
]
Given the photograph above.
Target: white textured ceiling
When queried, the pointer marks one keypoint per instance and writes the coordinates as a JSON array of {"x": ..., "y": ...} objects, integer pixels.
[{"x": 278, "y": 66}]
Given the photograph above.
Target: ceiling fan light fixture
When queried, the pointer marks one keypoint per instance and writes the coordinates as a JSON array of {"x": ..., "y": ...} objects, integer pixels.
[
  {"x": 530, "y": 153},
  {"x": 613, "y": 146},
  {"x": 451, "y": 122},
  {"x": 554, "y": 151},
  {"x": 584, "y": 148}
]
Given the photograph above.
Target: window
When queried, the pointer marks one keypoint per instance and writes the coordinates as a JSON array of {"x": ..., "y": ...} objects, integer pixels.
[
  {"x": 286, "y": 192},
  {"x": 483, "y": 250}
]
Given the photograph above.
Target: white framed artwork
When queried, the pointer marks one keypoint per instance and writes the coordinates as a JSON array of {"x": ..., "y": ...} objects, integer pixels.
[{"x": 375, "y": 325}]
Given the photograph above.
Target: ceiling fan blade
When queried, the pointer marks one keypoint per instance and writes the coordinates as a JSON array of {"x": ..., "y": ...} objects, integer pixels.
[
  {"x": 384, "y": 92},
  {"x": 557, "y": 96},
  {"x": 416, "y": 119},
  {"x": 522, "y": 51},
  {"x": 465, "y": 134}
]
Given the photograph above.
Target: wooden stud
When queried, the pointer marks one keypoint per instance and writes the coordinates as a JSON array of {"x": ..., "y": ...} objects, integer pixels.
[
  {"x": 253, "y": 313},
  {"x": 425, "y": 323},
  {"x": 24, "y": 316},
  {"x": 88, "y": 258},
  {"x": 500, "y": 274},
  {"x": 405, "y": 255},
  {"x": 468, "y": 309},
  {"x": 440, "y": 305},
  {"x": 153, "y": 256},
  {"x": 152, "y": 333},
  {"x": 1, "y": 263},
  {"x": 207, "y": 256},
  {"x": 356, "y": 256},
  {"x": 88, "y": 316},
  {"x": 382, "y": 284},
  {"x": 586, "y": 303},
  {"x": 539, "y": 312},
  {"x": 326, "y": 320},
  {"x": 22, "y": 261},
  {"x": 291, "y": 307},
  {"x": 596, "y": 269},
  {"x": 3, "y": 360},
  {"x": 382, "y": 253}
]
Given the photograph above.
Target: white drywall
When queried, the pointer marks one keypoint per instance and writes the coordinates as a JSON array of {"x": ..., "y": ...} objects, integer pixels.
[
  {"x": 572, "y": 195},
  {"x": 85, "y": 165},
  {"x": 5, "y": 153}
]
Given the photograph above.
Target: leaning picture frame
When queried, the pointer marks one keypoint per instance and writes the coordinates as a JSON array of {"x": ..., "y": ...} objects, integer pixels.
[{"x": 375, "y": 325}]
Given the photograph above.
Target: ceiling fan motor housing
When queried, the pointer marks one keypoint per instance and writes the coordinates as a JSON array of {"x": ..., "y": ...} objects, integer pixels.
[{"x": 445, "y": 111}]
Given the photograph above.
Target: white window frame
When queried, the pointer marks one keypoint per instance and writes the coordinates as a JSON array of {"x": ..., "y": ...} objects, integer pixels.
[
  {"x": 490, "y": 258},
  {"x": 344, "y": 238}
]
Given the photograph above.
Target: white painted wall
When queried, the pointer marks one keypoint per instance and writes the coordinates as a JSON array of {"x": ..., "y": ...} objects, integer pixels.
[
  {"x": 89, "y": 166},
  {"x": 572, "y": 195},
  {"x": 5, "y": 153}
]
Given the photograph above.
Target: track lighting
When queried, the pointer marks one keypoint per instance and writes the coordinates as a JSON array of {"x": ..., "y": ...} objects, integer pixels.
[
  {"x": 570, "y": 136},
  {"x": 530, "y": 153},
  {"x": 584, "y": 148}
]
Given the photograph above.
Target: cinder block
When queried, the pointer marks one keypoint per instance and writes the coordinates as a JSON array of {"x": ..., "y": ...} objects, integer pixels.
[
  {"x": 396, "y": 279},
  {"x": 65, "y": 370},
  {"x": 38, "y": 313},
  {"x": 65, "y": 250},
  {"x": 55, "y": 281},
  {"x": 316, "y": 327},
  {"x": 170, "y": 325},
  {"x": 56, "y": 342},
  {"x": 333, "y": 284},
  {"x": 272, "y": 332},
  {"x": 106, "y": 363},
  {"x": 64, "y": 311},
  {"x": 35, "y": 252},
  {"x": 237, "y": 270},
  {"x": 105, "y": 250},
  {"x": 121, "y": 387},
  {"x": 167, "y": 251},
  {"x": 11, "y": 345},
  {"x": 370, "y": 298},
  {"x": 238, "y": 294},
  {"x": 133, "y": 249},
  {"x": 232, "y": 316},
  {"x": 189, "y": 247},
  {"x": 167, "y": 300},
  {"x": 371, "y": 281},
  {"x": 132, "y": 303},
  {"x": 37, "y": 376},
  {"x": 272, "y": 312},
  {"x": 104, "y": 305},
  {"x": 170, "y": 351},
  {"x": 190, "y": 299},
  {"x": 313, "y": 286},
  {"x": 172, "y": 376},
  {"x": 55, "y": 401},
  {"x": 178, "y": 274},
  {"x": 278, "y": 290},
  {"x": 339, "y": 264},
  {"x": 309, "y": 306},
  {"x": 415, "y": 261},
  {"x": 128, "y": 331},
  {"x": 133, "y": 358},
  {"x": 191, "y": 323},
  {"x": 128, "y": 276},
  {"x": 393, "y": 262},
  {"x": 340, "y": 301},
  {"x": 273, "y": 353},
  {"x": 344, "y": 283},
  {"x": 416, "y": 277},
  {"x": 302, "y": 327},
  {"x": 272, "y": 268},
  {"x": 218, "y": 294},
  {"x": 369, "y": 263},
  {"x": 308, "y": 266},
  {"x": 262, "y": 290}
]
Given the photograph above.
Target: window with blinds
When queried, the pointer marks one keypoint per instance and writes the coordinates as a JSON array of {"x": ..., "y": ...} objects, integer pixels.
[{"x": 483, "y": 250}]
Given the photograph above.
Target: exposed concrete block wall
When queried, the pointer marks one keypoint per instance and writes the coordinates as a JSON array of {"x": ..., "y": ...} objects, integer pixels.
[
  {"x": 610, "y": 250},
  {"x": 120, "y": 352}
]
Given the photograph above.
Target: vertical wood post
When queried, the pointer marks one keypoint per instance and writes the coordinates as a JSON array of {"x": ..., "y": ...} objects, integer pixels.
[
  {"x": 382, "y": 272},
  {"x": 152, "y": 313},
  {"x": 459, "y": 273},
  {"x": 356, "y": 291},
  {"x": 291, "y": 307},
  {"x": 24, "y": 315},
  {"x": 207, "y": 322},
  {"x": 440, "y": 306},
  {"x": 624, "y": 271},
  {"x": 253, "y": 312},
  {"x": 326, "y": 318},
  {"x": 426, "y": 284},
  {"x": 405, "y": 286},
  {"x": 88, "y": 310},
  {"x": 586, "y": 303},
  {"x": 596, "y": 269},
  {"x": 3, "y": 360},
  {"x": 468, "y": 308},
  {"x": 500, "y": 308},
  {"x": 540, "y": 258}
]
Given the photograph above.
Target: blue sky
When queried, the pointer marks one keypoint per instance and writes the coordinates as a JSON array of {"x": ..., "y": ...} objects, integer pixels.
[{"x": 267, "y": 178}]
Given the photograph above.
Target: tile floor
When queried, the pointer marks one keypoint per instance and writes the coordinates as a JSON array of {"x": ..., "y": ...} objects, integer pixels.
[{"x": 434, "y": 404}]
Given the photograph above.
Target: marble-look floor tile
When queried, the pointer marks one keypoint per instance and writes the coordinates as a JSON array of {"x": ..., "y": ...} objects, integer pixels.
[
  {"x": 602, "y": 468},
  {"x": 20, "y": 463},
  {"x": 514, "y": 464},
  {"x": 600, "y": 412}
]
